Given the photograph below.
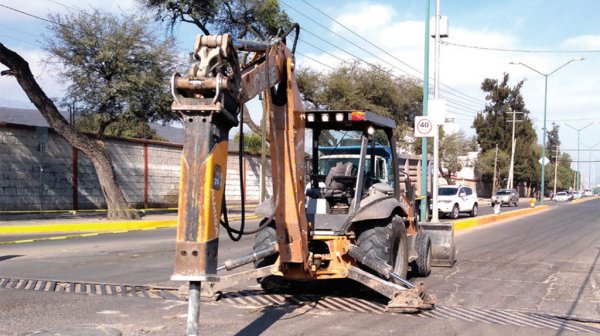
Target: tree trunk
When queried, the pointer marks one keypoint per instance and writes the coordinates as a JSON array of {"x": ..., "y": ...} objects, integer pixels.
[
  {"x": 446, "y": 176},
  {"x": 118, "y": 208},
  {"x": 248, "y": 121}
]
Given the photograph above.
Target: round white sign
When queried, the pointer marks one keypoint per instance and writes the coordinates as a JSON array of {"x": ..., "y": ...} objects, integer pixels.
[{"x": 423, "y": 127}]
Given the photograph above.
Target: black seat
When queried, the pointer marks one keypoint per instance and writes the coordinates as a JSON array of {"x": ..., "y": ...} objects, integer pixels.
[{"x": 340, "y": 180}]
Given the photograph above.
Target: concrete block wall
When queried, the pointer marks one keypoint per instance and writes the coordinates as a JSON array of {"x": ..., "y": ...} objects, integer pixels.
[
  {"x": 252, "y": 179},
  {"x": 34, "y": 178},
  {"x": 163, "y": 176},
  {"x": 25, "y": 186}
]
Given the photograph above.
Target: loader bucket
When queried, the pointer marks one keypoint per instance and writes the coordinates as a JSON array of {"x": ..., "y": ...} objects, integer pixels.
[{"x": 442, "y": 243}]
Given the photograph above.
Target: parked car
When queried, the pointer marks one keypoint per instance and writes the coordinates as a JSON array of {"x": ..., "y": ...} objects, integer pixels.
[
  {"x": 454, "y": 199},
  {"x": 506, "y": 196},
  {"x": 587, "y": 193},
  {"x": 569, "y": 194},
  {"x": 561, "y": 197},
  {"x": 576, "y": 195}
]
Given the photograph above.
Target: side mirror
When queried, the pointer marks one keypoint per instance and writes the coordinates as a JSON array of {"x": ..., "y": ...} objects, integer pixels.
[{"x": 462, "y": 194}]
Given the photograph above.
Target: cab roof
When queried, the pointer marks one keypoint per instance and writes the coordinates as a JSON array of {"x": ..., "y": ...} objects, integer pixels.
[{"x": 350, "y": 119}]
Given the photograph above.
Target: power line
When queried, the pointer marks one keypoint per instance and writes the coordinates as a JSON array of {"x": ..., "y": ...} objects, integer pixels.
[
  {"x": 17, "y": 39},
  {"x": 367, "y": 62},
  {"x": 377, "y": 47},
  {"x": 26, "y": 13},
  {"x": 314, "y": 60},
  {"x": 323, "y": 50},
  {"x": 69, "y": 7},
  {"x": 359, "y": 36},
  {"x": 19, "y": 30},
  {"x": 519, "y": 50}
]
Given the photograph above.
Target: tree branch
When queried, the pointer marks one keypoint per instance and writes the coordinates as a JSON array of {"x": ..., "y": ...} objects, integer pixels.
[{"x": 248, "y": 121}]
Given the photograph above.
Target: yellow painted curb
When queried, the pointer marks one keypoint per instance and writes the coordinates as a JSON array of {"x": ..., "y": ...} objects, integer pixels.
[
  {"x": 81, "y": 227},
  {"x": 112, "y": 226},
  {"x": 581, "y": 200},
  {"x": 477, "y": 221}
]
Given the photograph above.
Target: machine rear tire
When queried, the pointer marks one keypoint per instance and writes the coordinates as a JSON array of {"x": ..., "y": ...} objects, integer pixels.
[
  {"x": 388, "y": 242},
  {"x": 422, "y": 265}
]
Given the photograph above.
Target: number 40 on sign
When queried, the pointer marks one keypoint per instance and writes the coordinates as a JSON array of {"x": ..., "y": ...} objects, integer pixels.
[{"x": 423, "y": 127}]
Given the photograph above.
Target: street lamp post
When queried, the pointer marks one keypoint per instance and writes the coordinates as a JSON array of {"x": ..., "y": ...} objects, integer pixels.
[
  {"x": 590, "y": 164},
  {"x": 578, "y": 175},
  {"x": 546, "y": 75}
]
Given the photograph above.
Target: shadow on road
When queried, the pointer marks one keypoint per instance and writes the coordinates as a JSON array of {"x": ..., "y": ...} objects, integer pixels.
[
  {"x": 269, "y": 316},
  {"x": 10, "y": 256}
]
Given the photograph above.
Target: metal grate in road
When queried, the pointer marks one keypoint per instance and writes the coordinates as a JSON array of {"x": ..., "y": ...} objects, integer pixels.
[
  {"x": 260, "y": 299},
  {"x": 87, "y": 288}
]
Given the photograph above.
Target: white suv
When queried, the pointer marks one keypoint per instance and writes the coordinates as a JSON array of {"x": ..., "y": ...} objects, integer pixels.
[{"x": 452, "y": 200}]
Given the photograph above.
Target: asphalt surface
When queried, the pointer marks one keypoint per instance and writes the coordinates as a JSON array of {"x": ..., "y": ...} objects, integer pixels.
[{"x": 545, "y": 263}]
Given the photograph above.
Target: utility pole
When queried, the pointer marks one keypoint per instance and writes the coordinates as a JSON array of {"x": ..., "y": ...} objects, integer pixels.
[
  {"x": 440, "y": 107},
  {"x": 494, "y": 178},
  {"x": 509, "y": 184},
  {"x": 555, "y": 169},
  {"x": 436, "y": 135},
  {"x": 425, "y": 109}
]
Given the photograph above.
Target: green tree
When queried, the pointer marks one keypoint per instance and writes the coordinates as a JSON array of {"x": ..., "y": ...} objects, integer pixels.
[
  {"x": 453, "y": 150},
  {"x": 553, "y": 143},
  {"x": 351, "y": 86},
  {"x": 117, "y": 68},
  {"x": 492, "y": 127},
  {"x": 252, "y": 142},
  {"x": 249, "y": 19},
  {"x": 485, "y": 165},
  {"x": 564, "y": 174},
  {"x": 127, "y": 128},
  {"x": 242, "y": 18}
]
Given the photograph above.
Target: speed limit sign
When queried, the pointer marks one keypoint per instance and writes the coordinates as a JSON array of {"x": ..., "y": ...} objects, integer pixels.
[{"x": 423, "y": 127}]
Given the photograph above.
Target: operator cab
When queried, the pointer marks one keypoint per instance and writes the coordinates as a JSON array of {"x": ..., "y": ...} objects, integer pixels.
[{"x": 353, "y": 158}]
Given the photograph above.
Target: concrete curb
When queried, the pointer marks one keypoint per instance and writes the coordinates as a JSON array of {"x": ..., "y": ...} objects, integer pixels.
[
  {"x": 487, "y": 219},
  {"x": 105, "y": 227}
]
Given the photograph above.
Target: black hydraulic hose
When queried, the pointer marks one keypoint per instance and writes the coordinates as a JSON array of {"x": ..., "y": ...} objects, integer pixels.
[{"x": 295, "y": 27}]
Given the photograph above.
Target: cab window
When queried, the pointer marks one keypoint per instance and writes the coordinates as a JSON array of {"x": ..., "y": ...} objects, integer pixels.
[{"x": 380, "y": 150}]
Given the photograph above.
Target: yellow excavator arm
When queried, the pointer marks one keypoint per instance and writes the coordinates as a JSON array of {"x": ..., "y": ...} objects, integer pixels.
[{"x": 210, "y": 98}]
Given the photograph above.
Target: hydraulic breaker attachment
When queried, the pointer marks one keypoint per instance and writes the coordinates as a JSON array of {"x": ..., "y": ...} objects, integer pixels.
[
  {"x": 409, "y": 299},
  {"x": 442, "y": 243}
]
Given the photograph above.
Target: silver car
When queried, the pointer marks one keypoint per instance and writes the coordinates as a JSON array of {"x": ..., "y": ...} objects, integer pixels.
[{"x": 506, "y": 196}]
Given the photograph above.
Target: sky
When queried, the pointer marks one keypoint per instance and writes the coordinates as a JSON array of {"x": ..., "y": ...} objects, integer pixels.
[{"x": 543, "y": 34}]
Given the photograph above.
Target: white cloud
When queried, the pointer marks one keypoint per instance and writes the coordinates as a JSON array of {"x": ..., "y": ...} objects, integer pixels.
[
  {"x": 583, "y": 42},
  {"x": 364, "y": 16}
]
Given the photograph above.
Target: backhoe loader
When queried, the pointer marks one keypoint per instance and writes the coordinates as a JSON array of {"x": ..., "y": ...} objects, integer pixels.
[{"x": 352, "y": 221}]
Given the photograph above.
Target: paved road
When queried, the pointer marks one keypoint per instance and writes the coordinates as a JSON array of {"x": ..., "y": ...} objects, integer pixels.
[{"x": 542, "y": 263}]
